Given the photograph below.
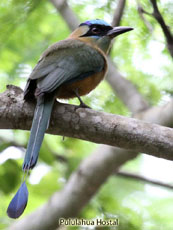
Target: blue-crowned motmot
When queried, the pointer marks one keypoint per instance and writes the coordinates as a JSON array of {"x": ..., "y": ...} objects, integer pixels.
[{"x": 67, "y": 69}]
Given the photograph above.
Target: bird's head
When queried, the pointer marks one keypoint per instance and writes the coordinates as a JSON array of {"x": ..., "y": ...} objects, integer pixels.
[{"x": 98, "y": 33}]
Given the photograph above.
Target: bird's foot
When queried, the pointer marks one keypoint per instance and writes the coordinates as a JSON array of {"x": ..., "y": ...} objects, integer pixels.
[{"x": 82, "y": 105}]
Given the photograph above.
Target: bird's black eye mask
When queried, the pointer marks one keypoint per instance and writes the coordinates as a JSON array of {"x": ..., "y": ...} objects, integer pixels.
[{"x": 97, "y": 30}]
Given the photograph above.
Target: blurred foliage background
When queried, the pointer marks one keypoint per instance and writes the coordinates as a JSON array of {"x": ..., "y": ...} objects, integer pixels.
[{"x": 27, "y": 29}]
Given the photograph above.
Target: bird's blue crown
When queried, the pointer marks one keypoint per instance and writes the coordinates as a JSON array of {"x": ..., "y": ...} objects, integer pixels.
[{"x": 95, "y": 22}]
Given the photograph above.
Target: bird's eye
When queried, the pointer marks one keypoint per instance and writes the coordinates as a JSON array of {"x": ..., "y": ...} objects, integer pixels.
[{"x": 95, "y": 30}]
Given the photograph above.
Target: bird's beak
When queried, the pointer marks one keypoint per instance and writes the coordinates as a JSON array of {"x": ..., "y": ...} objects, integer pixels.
[{"x": 118, "y": 30}]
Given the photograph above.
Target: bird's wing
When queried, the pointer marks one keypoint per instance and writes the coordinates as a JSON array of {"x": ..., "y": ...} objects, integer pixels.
[{"x": 63, "y": 62}]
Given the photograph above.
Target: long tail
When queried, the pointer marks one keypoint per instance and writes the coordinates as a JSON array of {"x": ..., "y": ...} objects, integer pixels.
[{"x": 39, "y": 125}]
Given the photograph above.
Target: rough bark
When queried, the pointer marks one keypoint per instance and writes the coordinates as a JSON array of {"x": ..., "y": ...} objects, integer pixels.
[{"x": 90, "y": 125}]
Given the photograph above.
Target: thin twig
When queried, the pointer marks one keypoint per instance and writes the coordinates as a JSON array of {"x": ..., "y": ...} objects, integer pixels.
[
  {"x": 141, "y": 12},
  {"x": 157, "y": 15},
  {"x": 143, "y": 179}
]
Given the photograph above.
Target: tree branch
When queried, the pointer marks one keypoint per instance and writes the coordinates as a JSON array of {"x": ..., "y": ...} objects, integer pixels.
[
  {"x": 159, "y": 18},
  {"x": 158, "y": 114},
  {"x": 133, "y": 176},
  {"x": 157, "y": 15},
  {"x": 125, "y": 90},
  {"x": 118, "y": 13},
  {"x": 99, "y": 127},
  {"x": 67, "y": 13},
  {"x": 141, "y": 12}
]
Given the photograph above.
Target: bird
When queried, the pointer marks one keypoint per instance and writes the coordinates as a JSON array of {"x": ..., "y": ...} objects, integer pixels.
[{"x": 69, "y": 68}]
